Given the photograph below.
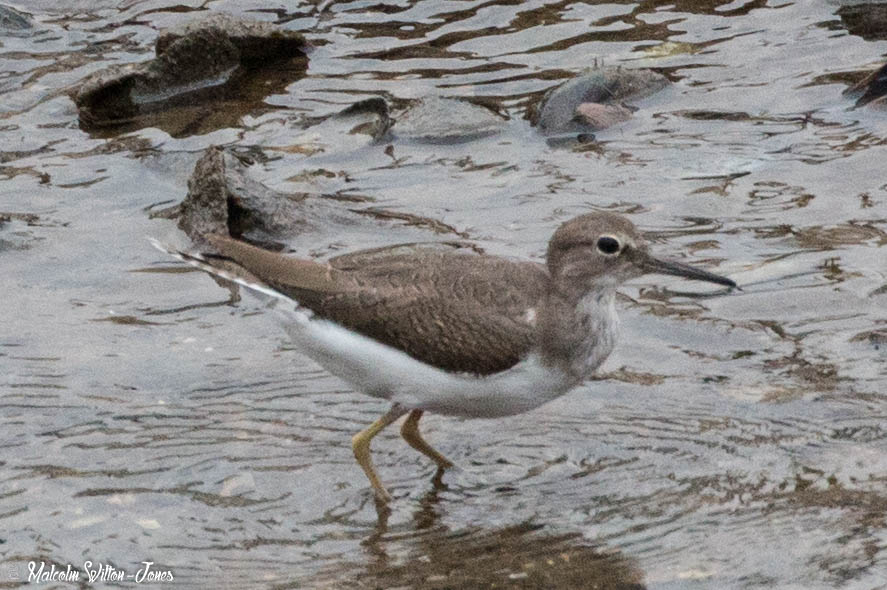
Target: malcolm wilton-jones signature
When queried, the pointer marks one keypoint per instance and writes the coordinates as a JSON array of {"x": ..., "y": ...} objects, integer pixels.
[{"x": 41, "y": 572}]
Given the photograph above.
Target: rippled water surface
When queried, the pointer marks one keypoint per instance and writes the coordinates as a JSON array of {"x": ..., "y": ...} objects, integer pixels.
[{"x": 736, "y": 441}]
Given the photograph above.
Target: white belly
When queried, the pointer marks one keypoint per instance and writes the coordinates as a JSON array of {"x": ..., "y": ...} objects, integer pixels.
[{"x": 382, "y": 371}]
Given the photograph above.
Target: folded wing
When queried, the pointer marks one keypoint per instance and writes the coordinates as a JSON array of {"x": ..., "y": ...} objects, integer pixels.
[{"x": 456, "y": 311}]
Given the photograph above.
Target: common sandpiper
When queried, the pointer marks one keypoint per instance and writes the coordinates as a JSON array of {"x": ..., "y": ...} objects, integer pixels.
[{"x": 443, "y": 331}]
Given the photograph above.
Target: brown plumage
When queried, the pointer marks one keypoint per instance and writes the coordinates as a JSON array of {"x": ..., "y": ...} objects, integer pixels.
[{"x": 456, "y": 311}]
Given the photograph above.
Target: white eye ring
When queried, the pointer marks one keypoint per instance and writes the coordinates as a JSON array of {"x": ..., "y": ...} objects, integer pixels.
[{"x": 608, "y": 245}]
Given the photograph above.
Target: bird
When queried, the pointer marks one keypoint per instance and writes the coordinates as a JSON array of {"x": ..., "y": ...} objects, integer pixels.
[{"x": 445, "y": 331}]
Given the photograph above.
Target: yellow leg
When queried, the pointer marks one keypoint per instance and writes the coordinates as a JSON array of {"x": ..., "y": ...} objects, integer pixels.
[
  {"x": 360, "y": 444},
  {"x": 410, "y": 433}
]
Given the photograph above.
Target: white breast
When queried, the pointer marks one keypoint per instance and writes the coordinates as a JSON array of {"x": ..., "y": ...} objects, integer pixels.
[{"x": 597, "y": 311}]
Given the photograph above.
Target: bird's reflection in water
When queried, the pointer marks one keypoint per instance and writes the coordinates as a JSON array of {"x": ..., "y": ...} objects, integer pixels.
[
  {"x": 426, "y": 516},
  {"x": 430, "y": 555}
]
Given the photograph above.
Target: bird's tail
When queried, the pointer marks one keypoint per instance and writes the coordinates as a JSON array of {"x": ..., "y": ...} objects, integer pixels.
[{"x": 292, "y": 309}]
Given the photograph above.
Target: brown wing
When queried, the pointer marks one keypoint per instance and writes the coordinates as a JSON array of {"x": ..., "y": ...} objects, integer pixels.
[{"x": 456, "y": 311}]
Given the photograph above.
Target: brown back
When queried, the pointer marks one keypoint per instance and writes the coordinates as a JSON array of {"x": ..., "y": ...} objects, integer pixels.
[{"x": 456, "y": 311}]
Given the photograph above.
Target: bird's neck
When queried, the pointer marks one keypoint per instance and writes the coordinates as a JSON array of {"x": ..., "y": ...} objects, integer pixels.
[{"x": 577, "y": 329}]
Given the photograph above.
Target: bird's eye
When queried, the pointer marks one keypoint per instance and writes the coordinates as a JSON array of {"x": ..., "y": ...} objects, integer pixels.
[{"x": 608, "y": 245}]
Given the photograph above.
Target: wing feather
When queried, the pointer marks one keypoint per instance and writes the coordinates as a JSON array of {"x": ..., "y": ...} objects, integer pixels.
[{"x": 456, "y": 311}]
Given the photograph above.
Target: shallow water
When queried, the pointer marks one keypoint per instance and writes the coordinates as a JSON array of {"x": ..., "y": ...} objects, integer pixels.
[{"x": 736, "y": 441}]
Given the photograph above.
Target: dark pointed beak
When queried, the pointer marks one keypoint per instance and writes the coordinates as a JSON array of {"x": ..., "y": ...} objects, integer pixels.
[{"x": 666, "y": 267}]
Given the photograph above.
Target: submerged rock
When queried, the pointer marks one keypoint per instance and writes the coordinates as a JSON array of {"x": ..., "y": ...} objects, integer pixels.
[
  {"x": 596, "y": 99},
  {"x": 430, "y": 120},
  {"x": 21, "y": 237},
  {"x": 447, "y": 120},
  {"x": 203, "y": 61},
  {"x": 13, "y": 22},
  {"x": 223, "y": 199},
  {"x": 366, "y": 121},
  {"x": 368, "y": 117},
  {"x": 871, "y": 90}
]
